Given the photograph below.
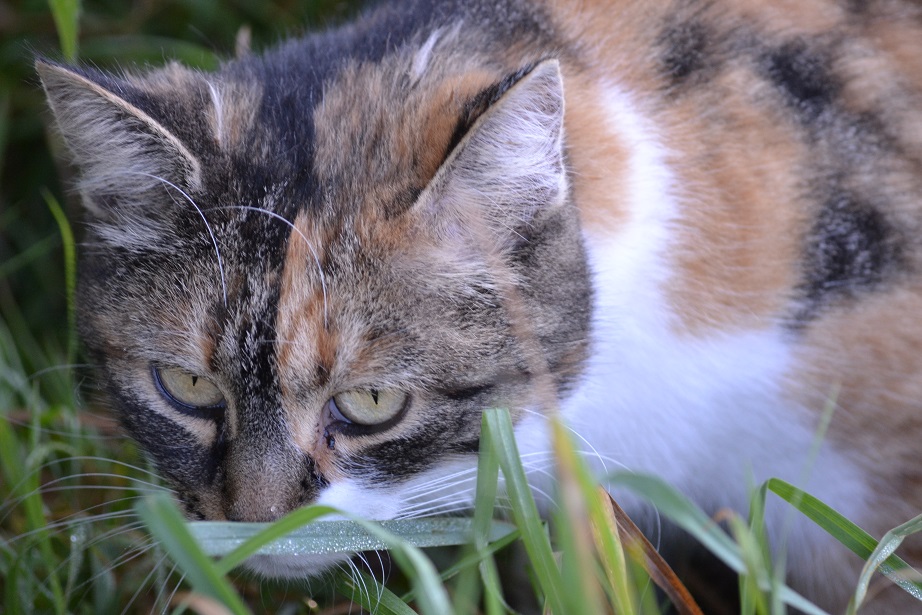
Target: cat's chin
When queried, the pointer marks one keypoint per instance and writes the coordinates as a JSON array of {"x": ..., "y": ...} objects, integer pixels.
[{"x": 293, "y": 566}]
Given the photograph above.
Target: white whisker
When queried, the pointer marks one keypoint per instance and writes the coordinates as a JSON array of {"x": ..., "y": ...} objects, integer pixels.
[{"x": 214, "y": 239}]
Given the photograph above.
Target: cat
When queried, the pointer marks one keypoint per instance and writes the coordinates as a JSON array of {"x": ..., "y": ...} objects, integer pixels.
[{"x": 689, "y": 226}]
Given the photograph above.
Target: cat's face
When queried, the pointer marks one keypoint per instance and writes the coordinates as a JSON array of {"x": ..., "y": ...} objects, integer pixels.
[{"x": 300, "y": 295}]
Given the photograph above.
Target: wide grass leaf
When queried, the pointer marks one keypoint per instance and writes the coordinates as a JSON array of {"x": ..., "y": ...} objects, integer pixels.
[
  {"x": 322, "y": 537},
  {"x": 353, "y": 535}
]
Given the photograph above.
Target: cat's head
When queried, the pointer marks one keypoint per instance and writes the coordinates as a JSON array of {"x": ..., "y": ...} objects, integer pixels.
[{"x": 301, "y": 287}]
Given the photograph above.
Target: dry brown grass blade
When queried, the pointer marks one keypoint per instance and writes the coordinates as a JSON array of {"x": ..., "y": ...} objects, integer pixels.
[{"x": 660, "y": 572}]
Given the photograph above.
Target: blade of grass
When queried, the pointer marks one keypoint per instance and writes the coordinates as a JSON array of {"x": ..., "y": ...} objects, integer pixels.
[
  {"x": 660, "y": 572},
  {"x": 775, "y": 566},
  {"x": 66, "y": 15},
  {"x": 753, "y": 598},
  {"x": 498, "y": 428},
  {"x": 24, "y": 479},
  {"x": 70, "y": 270},
  {"x": 306, "y": 533},
  {"x": 849, "y": 534},
  {"x": 385, "y": 602},
  {"x": 473, "y": 559},
  {"x": 431, "y": 594},
  {"x": 672, "y": 504},
  {"x": 484, "y": 505},
  {"x": 887, "y": 546},
  {"x": 423, "y": 577},
  {"x": 164, "y": 521},
  {"x": 578, "y": 532}
]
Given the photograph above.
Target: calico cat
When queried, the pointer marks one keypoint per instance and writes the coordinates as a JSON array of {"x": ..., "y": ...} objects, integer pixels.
[{"x": 688, "y": 226}]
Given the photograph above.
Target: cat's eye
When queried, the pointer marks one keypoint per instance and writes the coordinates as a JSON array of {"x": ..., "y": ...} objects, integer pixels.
[
  {"x": 189, "y": 392},
  {"x": 368, "y": 406}
]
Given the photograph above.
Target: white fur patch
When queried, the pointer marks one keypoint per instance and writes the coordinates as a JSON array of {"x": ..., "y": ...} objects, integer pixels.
[
  {"x": 218, "y": 111},
  {"x": 706, "y": 414},
  {"x": 423, "y": 55}
]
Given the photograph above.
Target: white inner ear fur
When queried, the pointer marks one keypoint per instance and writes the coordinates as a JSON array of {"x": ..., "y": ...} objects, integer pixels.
[{"x": 509, "y": 164}]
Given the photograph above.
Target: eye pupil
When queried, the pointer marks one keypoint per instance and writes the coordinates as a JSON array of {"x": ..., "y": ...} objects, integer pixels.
[{"x": 374, "y": 395}]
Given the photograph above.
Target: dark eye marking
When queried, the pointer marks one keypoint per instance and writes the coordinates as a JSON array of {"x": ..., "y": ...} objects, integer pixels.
[{"x": 465, "y": 392}]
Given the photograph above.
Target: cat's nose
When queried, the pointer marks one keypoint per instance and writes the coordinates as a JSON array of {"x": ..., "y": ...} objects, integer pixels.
[
  {"x": 263, "y": 487},
  {"x": 252, "y": 510},
  {"x": 256, "y": 500},
  {"x": 256, "y": 487}
]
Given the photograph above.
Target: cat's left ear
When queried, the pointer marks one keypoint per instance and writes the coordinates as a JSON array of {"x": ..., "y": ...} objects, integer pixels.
[
  {"x": 509, "y": 166},
  {"x": 125, "y": 154}
]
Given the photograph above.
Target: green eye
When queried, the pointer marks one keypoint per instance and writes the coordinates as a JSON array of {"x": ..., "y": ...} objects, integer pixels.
[
  {"x": 368, "y": 406},
  {"x": 187, "y": 391}
]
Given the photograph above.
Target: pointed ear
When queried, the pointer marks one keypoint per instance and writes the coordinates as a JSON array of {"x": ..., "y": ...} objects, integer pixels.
[
  {"x": 509, "y": 166},
  {"x": 124, "y": 154}
]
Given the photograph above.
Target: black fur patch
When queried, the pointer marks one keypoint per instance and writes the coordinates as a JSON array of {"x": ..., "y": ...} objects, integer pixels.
[
  {"x": 685, "y": 52},
  {"x": 852, "y": 247},
  {"x": 802, "y": 75}
]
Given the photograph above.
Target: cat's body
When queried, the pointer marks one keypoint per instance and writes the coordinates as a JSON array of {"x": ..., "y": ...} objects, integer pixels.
[{"x": 690, "y": 226}]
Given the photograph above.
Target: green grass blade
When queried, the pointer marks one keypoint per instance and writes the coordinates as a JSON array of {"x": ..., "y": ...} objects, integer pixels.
[
  {"x": 498, "y": 428},
  {"x": 70, "y": 271},
  {"x": 164, "y": 521},
  {"x": 241, "y": 540},
  {"x": 23, "y": 481},
  {"x": 672, "y": 504},
  {"x": 886, "y": 548},
  {"x": 302, "y": 532},
  {"x": 484, "y": 505},
  {"x": 856, "y": 539},
  {"x": 66, "y": 15},
  {"x": 383, "y": 602},
  {"x": 581, "y": 512},
  {"x": 360, "y": 535},
  {"x": 431, "y": 594}
]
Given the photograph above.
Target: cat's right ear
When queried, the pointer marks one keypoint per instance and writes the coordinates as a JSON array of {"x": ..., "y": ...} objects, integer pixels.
[
  {"x": 508, "y": 169},
  {"x": 124, "y": 154}
]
